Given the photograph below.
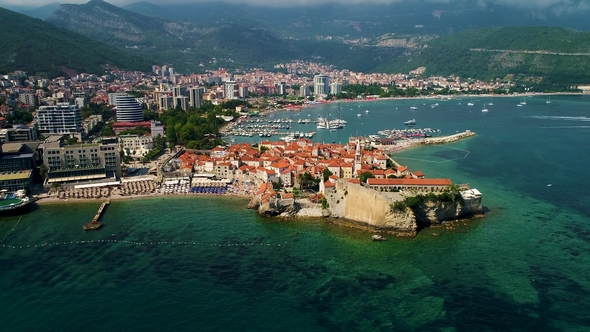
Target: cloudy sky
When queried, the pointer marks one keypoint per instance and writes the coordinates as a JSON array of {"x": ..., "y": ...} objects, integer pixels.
[{"x": 555, "y": 5}]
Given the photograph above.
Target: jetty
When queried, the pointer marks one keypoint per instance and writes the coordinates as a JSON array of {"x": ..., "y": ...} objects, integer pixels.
[
  {"x": 95, "y": 223},
  {"x": 447, "y": 139}
]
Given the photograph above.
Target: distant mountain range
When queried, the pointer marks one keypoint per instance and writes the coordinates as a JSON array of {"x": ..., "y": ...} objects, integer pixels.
[
  {"x": 38, "y": 47},
  {"x": 364, "y": 19},
  {"x": 397, "y": 37},
  {"x": 370, "y": 20}
]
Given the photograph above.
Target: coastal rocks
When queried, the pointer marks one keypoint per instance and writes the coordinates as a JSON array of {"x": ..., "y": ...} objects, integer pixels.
[
  {"x": 401, "y": 223},
  {"x": 433, "y": 213},
  {"x": 365, "y": 208},
  {"x": 354, "y": 205},
  {"x": 272, "y": 207}
]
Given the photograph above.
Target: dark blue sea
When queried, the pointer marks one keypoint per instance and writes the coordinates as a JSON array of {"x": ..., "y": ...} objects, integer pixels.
[{"x": 208, "y": 264}]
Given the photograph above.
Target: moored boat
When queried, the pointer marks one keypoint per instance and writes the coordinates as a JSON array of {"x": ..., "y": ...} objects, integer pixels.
[
  {"x": 410, "y": 122},
  {"x": 378, "y": 237}
]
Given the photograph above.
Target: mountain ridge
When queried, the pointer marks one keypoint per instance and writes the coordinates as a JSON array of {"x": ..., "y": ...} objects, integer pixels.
[{"x": 36, "y": 46}]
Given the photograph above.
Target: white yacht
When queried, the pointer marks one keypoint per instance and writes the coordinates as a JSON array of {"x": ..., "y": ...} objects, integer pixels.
[
  {"x": 413, "y": 108},
  {"x": 410, "y": 122}
]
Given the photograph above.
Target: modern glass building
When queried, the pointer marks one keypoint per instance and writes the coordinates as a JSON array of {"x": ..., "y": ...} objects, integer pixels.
[
  {"x": 321, "y": 85},
  {"x": 128, "y": 109}
]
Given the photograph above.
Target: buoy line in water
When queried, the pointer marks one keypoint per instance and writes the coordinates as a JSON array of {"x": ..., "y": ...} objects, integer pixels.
[
  {"x": 187, "y": 243},
  {"x": 12, "y": 230},
  {"x": 438, "y": 162}
]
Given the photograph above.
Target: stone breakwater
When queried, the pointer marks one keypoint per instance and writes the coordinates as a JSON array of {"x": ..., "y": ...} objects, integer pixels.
[{"x": 447, "y": 139}]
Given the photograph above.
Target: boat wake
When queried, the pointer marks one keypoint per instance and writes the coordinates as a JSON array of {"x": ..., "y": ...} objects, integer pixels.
[
  {"x": 562, "y": 118},
  {"x": 565, "y": 127}
]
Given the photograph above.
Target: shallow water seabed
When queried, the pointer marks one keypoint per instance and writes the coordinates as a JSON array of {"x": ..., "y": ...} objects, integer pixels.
[{"x": 210, "y": 264}]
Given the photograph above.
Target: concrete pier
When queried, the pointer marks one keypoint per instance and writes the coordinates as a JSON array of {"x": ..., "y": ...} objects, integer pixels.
[{"x": 95, "y": 224}]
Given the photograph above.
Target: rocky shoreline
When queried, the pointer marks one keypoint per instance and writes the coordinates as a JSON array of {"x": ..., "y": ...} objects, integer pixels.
[{"x": 370, "y": 210}]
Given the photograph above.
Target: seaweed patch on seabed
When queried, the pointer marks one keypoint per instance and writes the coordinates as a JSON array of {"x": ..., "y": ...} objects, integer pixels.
[
  {"x": 579, "y": 232},
  {"x": 550, "y": 283}
]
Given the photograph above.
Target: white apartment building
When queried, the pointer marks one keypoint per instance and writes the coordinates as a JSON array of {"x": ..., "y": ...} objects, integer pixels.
[
  {"x": 138, "y": 146},
  {"x": 61, "y": 118}
]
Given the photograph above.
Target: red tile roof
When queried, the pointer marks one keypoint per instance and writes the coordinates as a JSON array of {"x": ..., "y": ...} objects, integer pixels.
[{"x": 409, "y": 182}]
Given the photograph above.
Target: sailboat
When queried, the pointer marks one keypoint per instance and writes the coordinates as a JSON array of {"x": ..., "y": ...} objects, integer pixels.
[
  {"x": 523, "y": 102},
  {"x": 484, "y": 109},
  {"x": 470, "y": 103},
  {"x": 548, "y": 101},
  {"x": 491, "y": 103}
]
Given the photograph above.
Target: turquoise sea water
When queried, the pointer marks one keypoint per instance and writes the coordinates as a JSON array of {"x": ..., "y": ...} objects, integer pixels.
[{"x": 208, "y": 264}]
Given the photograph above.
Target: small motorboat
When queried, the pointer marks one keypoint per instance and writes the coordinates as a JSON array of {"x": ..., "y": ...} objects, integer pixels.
[{"x": 378, "y": 237}]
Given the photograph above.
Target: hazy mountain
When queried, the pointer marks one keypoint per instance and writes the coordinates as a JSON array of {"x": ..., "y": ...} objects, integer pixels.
[
  {"x": 219, "y": 42},
  {"x": 184, "y": 44},
  {"x": 35, "y": 46},
  {"x": 368, "y": 20},
  {"x": 42, "y": 12}
]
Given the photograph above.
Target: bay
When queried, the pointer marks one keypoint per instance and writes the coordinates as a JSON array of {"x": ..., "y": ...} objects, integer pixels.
[{"x": 197, "y": 263}]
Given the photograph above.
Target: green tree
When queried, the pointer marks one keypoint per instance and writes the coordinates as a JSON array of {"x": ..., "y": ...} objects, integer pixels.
[
  {"x": 307, "y": 181},
  {"x": 327, "y": 174},
  {"x": 43, "y": 170},
  {"x": 365, "y": 175}
]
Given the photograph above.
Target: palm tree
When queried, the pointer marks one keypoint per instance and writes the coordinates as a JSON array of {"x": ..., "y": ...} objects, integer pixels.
[
  {"x": 55, "y": 187},
  {"x": 43, "y": 170}
]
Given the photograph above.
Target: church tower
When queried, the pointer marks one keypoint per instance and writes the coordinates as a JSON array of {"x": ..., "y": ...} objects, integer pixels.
[{"x": 357, "y": 157}]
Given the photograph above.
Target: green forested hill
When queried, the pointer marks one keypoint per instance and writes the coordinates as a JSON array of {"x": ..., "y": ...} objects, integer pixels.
[
  {"x": 519, "y": 38},
  {"x": 489, "y": 53},
  {"x": 38, "y": 47}
]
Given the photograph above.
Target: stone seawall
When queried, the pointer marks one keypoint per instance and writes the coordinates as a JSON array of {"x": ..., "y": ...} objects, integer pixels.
[
  {"x": 370, "y": 208},
  {"x": 447, "y": 139}
]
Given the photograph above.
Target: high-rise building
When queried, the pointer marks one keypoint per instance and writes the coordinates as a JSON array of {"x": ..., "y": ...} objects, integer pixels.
[
  {"x": 28, "y": 98},
  {"x": 230, "y": 89},
  {"x": 243, "y": 91},
  {"x": 61, "y": 118},
  {"x": 182, "y": 102},
  {"x": 321, "y": 85},
  {"x": 195, "y": 96},
  {"x": 178, "y": 91},
  {"x": 304, "y": 91},
  {"x": 113, "y": 97},
  {"x": 164, "y": 102},
  {"x": 281, "y": 88},
  {"x": 128, "y": 109},
  {"x": 335, "y": 88}
]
